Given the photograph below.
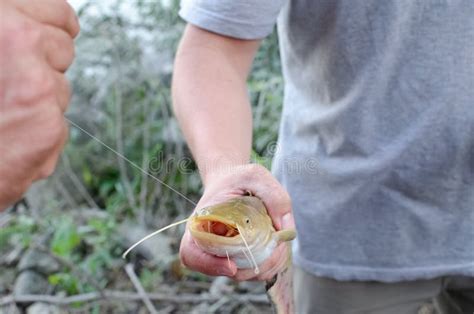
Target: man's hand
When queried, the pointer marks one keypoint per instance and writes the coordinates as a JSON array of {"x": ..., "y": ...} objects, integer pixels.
[
  {"x": 36, "y": 48},
  {"x": 221, "y": 187}
]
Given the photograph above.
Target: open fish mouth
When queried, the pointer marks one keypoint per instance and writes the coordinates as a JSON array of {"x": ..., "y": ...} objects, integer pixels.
[{"x": 217, "y": 226}]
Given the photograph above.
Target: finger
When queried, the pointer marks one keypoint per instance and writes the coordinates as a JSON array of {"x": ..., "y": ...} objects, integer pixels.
[
  {"x": 63, "y": 91},
  {"x": 288, "y": 222},
  {"x": 48, "y": 167},
  {"x": 57, "y": 13},
  {"x": 196, "y": 259},
  {"x": 278, "y": 204},
  {"x": 276, "y": 199},
  {"x": 58, "y": 47}
]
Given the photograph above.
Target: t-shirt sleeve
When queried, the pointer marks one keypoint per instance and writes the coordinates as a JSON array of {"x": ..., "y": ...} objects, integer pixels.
[{"x": 244, "y": 19}]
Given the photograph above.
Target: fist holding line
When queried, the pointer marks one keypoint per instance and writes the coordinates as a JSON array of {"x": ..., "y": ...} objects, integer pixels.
[{"x": 36, "y": 48}]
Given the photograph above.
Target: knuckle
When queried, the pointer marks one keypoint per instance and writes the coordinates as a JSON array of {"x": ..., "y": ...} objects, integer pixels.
[
  {"x": 43, "y": 80},
  {"x": 20, "y": 188},
  {"x": 54, "y": 135},
  {"x": 63, "y": 8},
  {"x": 259, "y": 170},
  {"x": 57, "y": 129},
  {"x": 254, "y": 171},
  {"x": 69, "y": 20},
  {"x": 47, "y": 171},
  {"x": 280, "y": 197},
  {"x": 36, "y": 84},
  {"x": 72, "y": 51},
  {"x": 285, "y": 198},
  {"x": 182, "y": 258},
  {"x": 240, "y": 277}
]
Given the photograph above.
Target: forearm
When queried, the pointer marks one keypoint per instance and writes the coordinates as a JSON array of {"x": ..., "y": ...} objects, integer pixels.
[{"x": 210, "y": 100}]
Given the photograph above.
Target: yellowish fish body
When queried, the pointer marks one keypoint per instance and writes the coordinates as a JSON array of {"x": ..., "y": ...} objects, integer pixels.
[{"x": 242, "y": 230}]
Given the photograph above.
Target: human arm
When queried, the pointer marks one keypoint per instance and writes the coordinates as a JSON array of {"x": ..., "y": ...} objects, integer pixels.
[
  {"x": 210, "y": 101},
  {"x": 210, "y": 98}
]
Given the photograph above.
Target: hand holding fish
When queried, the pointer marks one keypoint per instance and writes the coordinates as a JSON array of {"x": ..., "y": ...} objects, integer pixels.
[
  {"x": 242, "y": 180},
  {"x": 242, "y": 236}
]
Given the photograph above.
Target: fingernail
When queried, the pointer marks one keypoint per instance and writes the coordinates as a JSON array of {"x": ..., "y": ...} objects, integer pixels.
[{"x": 287, "y": 221}]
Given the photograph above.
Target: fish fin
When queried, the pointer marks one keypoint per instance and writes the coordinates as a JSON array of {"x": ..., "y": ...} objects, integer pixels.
[{"x": 285, "y": 235}]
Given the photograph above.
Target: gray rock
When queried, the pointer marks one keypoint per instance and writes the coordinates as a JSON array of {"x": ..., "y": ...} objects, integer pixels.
[
  {"x": 252, "y": 286},
  {"x": 157, "y": 248},
  {"x": 12, "y": 257},
  {"x": 9, "y": 309},
  {"x": 39, "y": 261},
  {"x": 43, "y": 308},
  {"x": 220, "y": 285},
  {"x": 7, "y": 277},
  {"x": 427, "y": 308},
  {"x": 30, "y": 282},
  {"x": 202, "y": 308}
]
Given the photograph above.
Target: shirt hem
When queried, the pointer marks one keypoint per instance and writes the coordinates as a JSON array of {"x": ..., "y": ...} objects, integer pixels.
[{"x": 360, "y": 273}]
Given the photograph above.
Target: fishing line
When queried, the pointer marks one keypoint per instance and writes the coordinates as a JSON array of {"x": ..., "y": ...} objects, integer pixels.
[
  {"x": 151, "y": 235},
  {"x": 131, "y": 162}
]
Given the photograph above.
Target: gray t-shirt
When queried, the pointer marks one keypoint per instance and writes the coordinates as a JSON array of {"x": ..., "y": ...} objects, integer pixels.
[{"x": 377, "y": 132}]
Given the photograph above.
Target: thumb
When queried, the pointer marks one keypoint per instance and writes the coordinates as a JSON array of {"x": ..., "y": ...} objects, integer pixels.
[{"x": 287, "y": 221}]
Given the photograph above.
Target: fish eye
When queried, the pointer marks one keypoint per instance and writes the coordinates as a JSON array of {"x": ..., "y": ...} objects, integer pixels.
[{"x": 247, "y": 221}]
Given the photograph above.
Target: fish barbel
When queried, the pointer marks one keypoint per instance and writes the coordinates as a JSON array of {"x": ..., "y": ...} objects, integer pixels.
[{"x": 242, "y": 230}]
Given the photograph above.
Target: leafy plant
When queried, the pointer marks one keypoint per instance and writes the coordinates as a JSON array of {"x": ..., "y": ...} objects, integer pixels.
[{"x": 66, "y": 238}]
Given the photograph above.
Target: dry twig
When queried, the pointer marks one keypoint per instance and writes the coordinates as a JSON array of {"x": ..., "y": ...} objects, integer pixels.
[
  {"x": 141, "y": 291},
  {"x": 76, "y": 182},
  {"x": 113, "y": 295}
]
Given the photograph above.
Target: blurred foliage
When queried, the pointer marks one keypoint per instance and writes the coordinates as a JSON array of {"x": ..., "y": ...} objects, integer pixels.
[{"x": 121, "y": 82}]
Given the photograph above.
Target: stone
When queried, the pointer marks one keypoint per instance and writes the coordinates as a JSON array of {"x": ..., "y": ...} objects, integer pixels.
[
  {"x": 157, "y": 248},
  {"x": 7, "y": 278},
  {"x": 427, "y": 308},
  {"x": 30, "y": 282},
  {"x": 220, "y": 285},
  {"x": 12, "y": 257},
  {"x": 39, "y": 261},
  {"x": 9, "y": 309},
  {"x": 251, "y": 286},
  {"x": 43, "y": 308}
]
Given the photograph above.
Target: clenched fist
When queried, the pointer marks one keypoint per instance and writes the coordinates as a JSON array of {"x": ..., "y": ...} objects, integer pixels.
[{"x": 36, "y": 48}]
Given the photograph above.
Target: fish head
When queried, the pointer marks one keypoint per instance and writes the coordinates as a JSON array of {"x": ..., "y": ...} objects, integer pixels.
[{"x": 223, "y": 229}]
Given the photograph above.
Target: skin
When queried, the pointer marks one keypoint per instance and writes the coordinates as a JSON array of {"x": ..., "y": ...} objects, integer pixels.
[
  {"x": 211, "y": 104},
  {"x": 36, "y": 48}
]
